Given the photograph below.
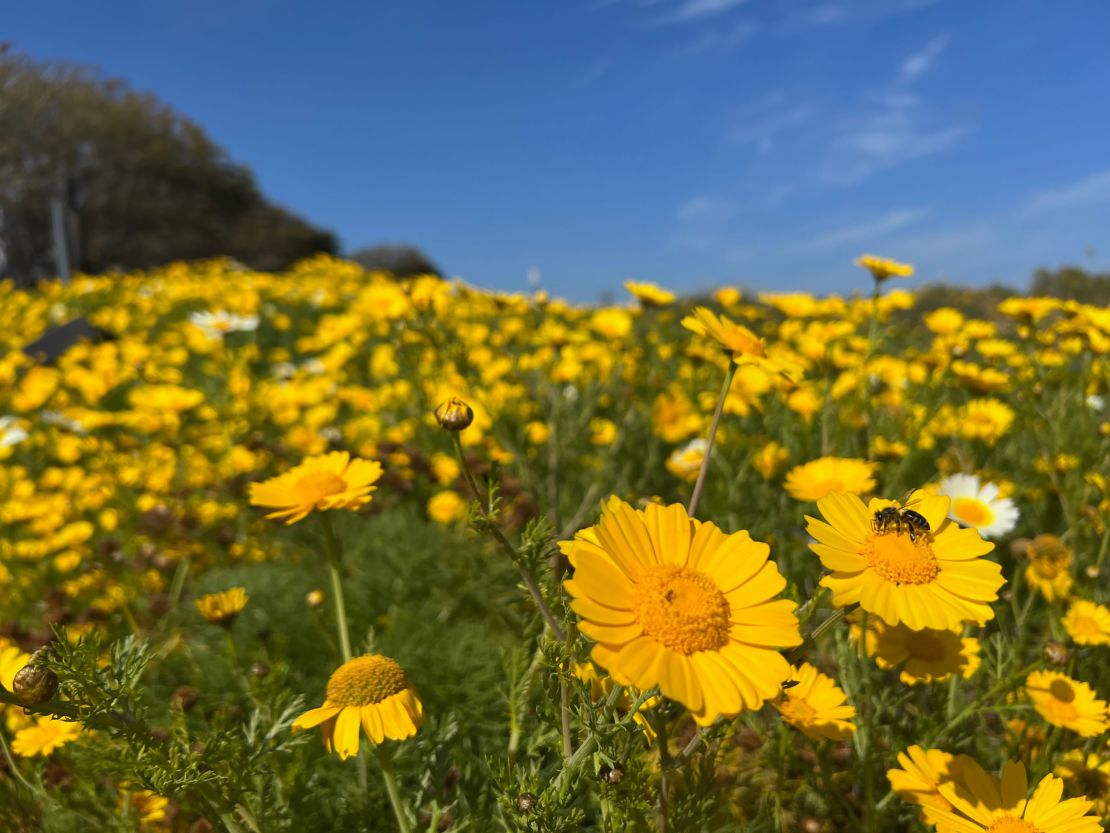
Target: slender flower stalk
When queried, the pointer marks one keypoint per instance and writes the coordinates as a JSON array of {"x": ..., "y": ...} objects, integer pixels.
[
  {"x": 692, "y": 508},
  {"x": 389, "y": 777},
  {"x": 525, "y": 574}
]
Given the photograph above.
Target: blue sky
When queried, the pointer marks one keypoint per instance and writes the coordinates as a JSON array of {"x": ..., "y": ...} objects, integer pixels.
[{"x": 687, "y": 142}]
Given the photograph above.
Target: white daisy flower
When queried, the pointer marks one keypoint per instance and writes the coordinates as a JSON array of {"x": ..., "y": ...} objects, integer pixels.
[
  {"x": 978, "y": 505},
  {"x": 10, "y": 432},
  {"x": 218, "y": 324}
]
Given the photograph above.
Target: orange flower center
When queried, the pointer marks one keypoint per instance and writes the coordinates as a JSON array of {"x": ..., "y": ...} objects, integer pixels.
[
  {"x": 317, "y": 485},
  {"x": 366, "y": 680},
  {"x": 1012, "y": 824},
  {"x": 972, "y": 511},
  {"x": 899, "y": 560},
  {"x": 925, "y": 646},
  {"x": 682, "y": 609}
]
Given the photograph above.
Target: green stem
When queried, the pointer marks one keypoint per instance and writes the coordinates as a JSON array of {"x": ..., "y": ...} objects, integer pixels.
[
  {"x": 696, "y": 496},
  {"x": 15, "y": 769},
  {"x": 588, "y": 745},
  {"x": 978, "y": 703},
  {"x": 390, "y": 779},
  {"x": 834, "y": 618},
  {"x": 335, "y": 562},
  {"x": 499, "y": 536}
]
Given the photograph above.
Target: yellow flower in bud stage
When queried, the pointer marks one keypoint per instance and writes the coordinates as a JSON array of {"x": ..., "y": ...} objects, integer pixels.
[
  {"x": 329, "y": 481},
  {"x": 985, "y": 804},
  {"x": 814, "y": 480},
  {"x": 675, "y": 602},
  {"x": 1087, "y": 775},
  {"x": 816, "y": 705},
  {"x": 221, "y": 608},
  {"x": 922, "y": 773},
  {"x": 934, "y": 579},
  {"x": 1067, "y": 703},
  {"x": 446, "y": 507},
  {"x": 454, "y": 414},
  {"x": 370, "y": 692},
  {"x": 1049, "y": 567},
  {"x": 649, "y": 294},
  {"x": 44, "y": 736},
  {"x": 1088, "y": 623},
  {"x": 882, "y": 268},
  {"x": 928, "y": 655}
]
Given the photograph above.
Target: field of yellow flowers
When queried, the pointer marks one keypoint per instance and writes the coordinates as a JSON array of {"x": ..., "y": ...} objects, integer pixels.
[{"x": 330, "y": 551}]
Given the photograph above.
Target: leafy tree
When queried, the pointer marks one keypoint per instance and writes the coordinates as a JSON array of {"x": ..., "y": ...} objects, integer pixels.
[
  {"x": 144, "y": 184},
  {"x": 1072, "y": 283}
]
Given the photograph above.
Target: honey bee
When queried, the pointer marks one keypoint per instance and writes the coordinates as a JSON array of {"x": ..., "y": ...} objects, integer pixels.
[{"x": 896, "y": 517}]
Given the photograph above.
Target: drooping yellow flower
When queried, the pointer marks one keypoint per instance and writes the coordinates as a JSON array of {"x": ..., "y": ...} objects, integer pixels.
[
  {"x": 1088, "y": 623},
  {"x": 817, "y": 478},
  {"x": 985, "y": 804},
  {"x": 928, "y": 655},
  {"x": 744, "y": 346},
  {"x": 816, "y": 705},
  {"x": 922, "y": 773},
  {"x": 931, "y": 578},
  {"x": 649, "y": 294},
  {"x": 1087, "y": 775},
  {"x": 221, "y": 608},
  {"x": 882, "y": 268},
  {"x": 371, "y": 692},
  {"x": 673, "y": 601},
  {"x": 44, "y": 736},
  {"x": 1068, "y": 703},
  {"x": 1048, "y": 569},
  {"x": 329, "y": 481}
]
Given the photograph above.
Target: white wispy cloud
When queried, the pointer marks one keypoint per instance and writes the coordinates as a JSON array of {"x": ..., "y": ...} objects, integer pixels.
[
  {"x": 704, "y": 210},
  {"x": 834, "y": 13},
  {"x": 1093, "y": 189},
  {"x": 691, "y": 10},
  {"x": 866, "y": 232},
  {"x": 920, "y": 62},
  {"x": 763, "y": 123}
]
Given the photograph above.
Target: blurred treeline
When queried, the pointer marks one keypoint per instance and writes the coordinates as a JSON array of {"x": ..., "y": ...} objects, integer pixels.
[{"x": 138, "y": 185}]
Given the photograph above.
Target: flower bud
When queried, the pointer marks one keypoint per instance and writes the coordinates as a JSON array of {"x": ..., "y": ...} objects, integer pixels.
[
  {"x": 454, "y": 414},
  {"x": 35, "y": 684},
  {"x": 1056, "y": 653},
  {"x": 612, "y": 774},
  {"x": 526, "y": 802},
  {"x": 314, "y": 598}
]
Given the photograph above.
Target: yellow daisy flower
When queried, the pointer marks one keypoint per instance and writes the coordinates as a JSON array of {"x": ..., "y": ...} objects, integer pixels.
[
  {"x": 882, "y": 268},
  {"x": 221, "y": 608},
  {"x": 817, "y": 478},
  {"x": 1088, "y": 623},
  {"x": 371, "y": 692},
  {"x": 931, "y": 578},
  {"x": 12, "y": 660},
  {"x": 922, "y": 773},
  {"x": 744, "y": 346},
  {"x": 928, "y": 655},
  {"x": 685, "y": 462},
  {"x": 44, "y": 736},
  {"x": 986, "y": 804},
  {"x": 329, "y": 481},
  {"x": 816, "y": 705},
  {"x": 1089, "y": 776},
  {"x": 1069, "y": 703},
  {"x": 675, "y": 602},
  {"x": 649, "y": 294},
  {"x": 1048, "y": 569}
]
